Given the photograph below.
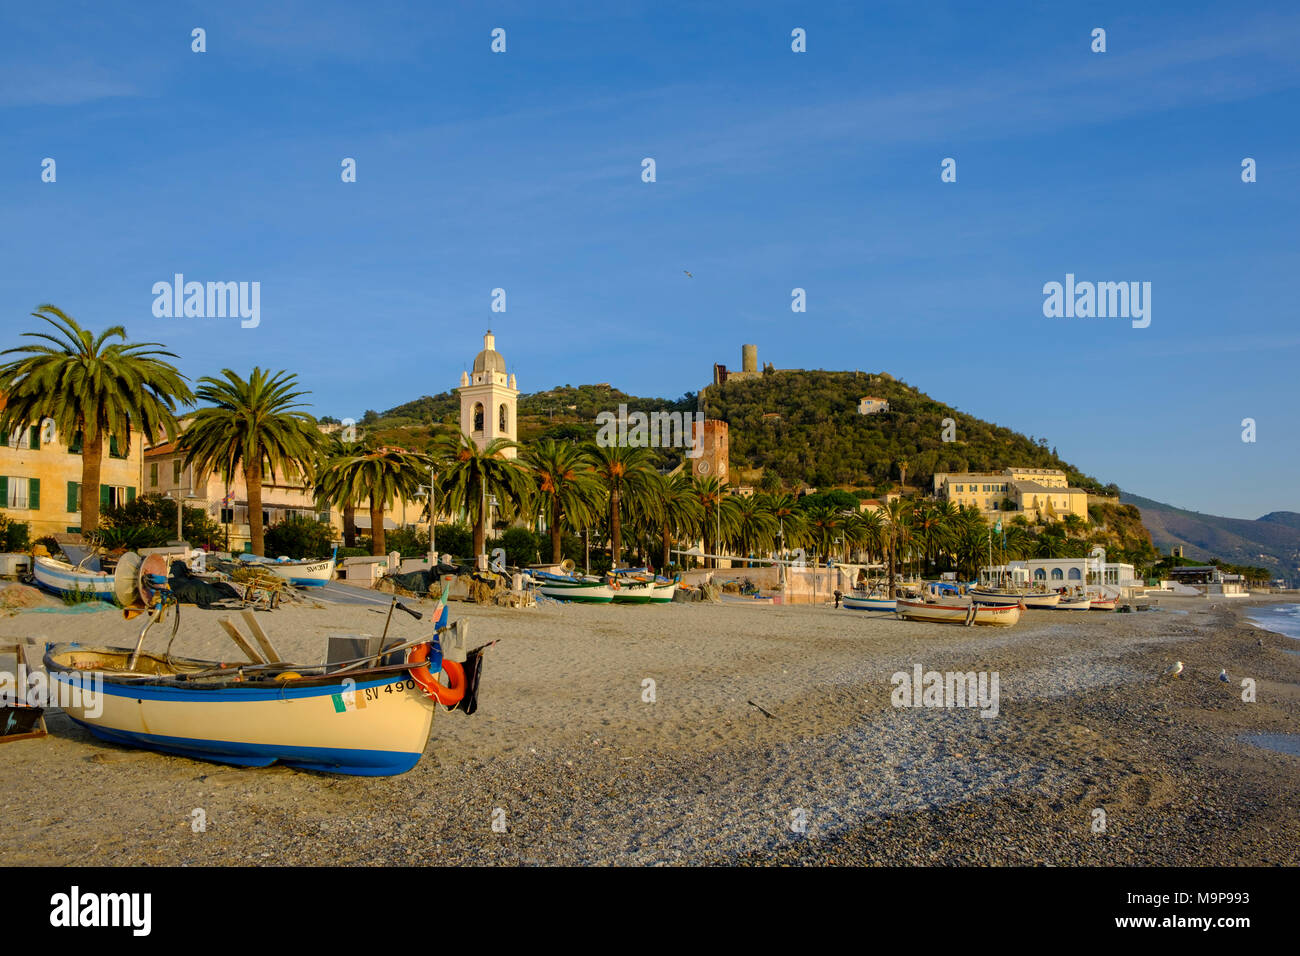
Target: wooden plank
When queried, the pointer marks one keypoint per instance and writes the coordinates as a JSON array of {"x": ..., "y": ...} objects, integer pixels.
[
  {"x": 268, "y": 649},
  {"x": 229, "y": 627}
]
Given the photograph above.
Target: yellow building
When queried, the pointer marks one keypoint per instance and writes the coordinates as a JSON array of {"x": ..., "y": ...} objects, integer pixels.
[
  {"x": 40, "y": 479},
  {"x": 1040, "y": 494}
]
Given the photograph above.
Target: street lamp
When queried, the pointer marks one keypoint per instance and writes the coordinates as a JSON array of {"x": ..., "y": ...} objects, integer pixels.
[{"x": 420, "y": 493}]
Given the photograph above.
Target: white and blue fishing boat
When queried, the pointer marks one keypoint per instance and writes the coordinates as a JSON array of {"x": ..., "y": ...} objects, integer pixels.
[
  {"x": 367, "y": 717},
  {"x": 63, "y": 579},
  {"x": 566, "y": 587},
  {"x": 862, "y": 600},
  {"x": 306, "y": 573}
]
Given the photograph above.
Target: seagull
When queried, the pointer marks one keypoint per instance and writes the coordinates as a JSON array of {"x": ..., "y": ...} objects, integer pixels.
[
  {"x": 688, "y": 275},
  {"x": 1223, "y": 675},
  {"x": 1175, "y": 670}
]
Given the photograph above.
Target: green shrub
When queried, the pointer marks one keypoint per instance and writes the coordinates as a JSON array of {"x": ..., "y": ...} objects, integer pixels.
[
  {"x": 159, "y": 511},
  {"x": 521, "y": 546},
  {"x": 15, "y": 536},
  {"x": 299, "y": 537},
  {"x": 130, "y": 537}
]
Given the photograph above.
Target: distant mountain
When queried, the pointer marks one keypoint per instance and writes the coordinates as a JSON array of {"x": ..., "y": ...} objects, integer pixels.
[{"x": 1272, "y": 541}]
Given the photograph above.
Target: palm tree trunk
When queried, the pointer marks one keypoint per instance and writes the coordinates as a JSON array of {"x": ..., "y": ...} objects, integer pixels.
[
  {"x": 92, "y": 462},
  {"x": 556, "y": 544},
  {"x": 668, "y": 546},
  {"x": 615, "y": 527},
  {"x": 253, "y": 478},
  {"x": 378, "y": 544},
  {"x": 350, "y": 526}
]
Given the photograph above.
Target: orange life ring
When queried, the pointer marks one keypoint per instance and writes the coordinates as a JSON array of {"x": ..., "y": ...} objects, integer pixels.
[{"x": 448, "y": 696}]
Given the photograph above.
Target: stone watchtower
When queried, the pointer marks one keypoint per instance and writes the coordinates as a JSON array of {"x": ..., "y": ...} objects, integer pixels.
[{"x": 488, "y": 399}]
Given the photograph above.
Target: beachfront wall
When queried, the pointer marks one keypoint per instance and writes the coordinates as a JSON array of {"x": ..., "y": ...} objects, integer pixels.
[
  {"x": 801, "y": 586},
  {"x": 40, "y": 479}
]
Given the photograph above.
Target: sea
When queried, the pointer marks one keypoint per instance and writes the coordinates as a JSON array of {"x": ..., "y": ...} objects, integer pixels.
[{"x": 1279, "y": 618}]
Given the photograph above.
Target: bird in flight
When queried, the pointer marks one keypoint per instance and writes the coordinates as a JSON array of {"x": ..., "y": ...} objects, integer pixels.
[{"x": 688, "y": 275}]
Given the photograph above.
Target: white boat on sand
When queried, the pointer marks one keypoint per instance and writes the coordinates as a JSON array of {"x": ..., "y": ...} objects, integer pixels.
[{"x": 951, "y": 612}]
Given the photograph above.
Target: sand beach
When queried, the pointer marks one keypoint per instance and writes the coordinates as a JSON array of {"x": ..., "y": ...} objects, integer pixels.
[{"x": 769, "y": 738}]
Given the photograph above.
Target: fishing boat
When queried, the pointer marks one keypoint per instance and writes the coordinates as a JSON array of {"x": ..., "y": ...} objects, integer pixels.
[
  {"x": 61, "y": 578},
  {"x": 566, "y": 587},
  {"x": 639, "y": 586},
  {"x": 1032, "y": 600},
  {"x": 1098, "y": 603},
  {"x": 310, "y": 573},
  {"x": 1075, "y": 603},
  {"x": 366, "y": 717},
  {"x": 863, "y": 600},
  {"x": 954, "y": 612}
]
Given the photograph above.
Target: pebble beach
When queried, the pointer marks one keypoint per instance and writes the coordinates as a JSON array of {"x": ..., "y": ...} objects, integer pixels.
[{"x": 725, "y": 734}]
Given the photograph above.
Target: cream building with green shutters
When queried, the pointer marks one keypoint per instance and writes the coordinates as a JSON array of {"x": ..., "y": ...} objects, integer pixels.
[{"x": 40, "y": 479}]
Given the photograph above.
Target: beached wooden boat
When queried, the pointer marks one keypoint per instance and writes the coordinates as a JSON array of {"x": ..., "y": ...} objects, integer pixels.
[
  {"x": 641, "y": 588},
  {"x": 862, "y": 601},
  {"x": 1103, "y": 603},
  {"x": 564, "y": 587},
  {"x": 1033, "y": 600},
  {"x": 369, "y": 722},
  {"x": 951, "y": 612},
  {"x": 1074, "y": 604},
  {"x": 303, "y": 574},
  {"x": 61, "y": 578}
]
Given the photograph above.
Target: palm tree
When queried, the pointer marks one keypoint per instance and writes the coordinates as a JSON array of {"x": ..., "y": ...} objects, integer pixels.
[
  {"x": 824, "y": 524},
  {"x": 897, "y": 516},
  {"x": 256, "y": 425},
  {"x": 468, "y": 476},
  {"x": 93, "y": 388},
  {"x": 329, "y": 491},
  {"x": 568, "y": 491},
  {"x": 867, "y": 530},
  {"x": 623, "y": 470},
  {"x": 789, "y": 519},
  {"x": 718, "y": 519},
  {"x": 675, "y": 509},
  {"x": 382, "y": 477},
  {"x": 756, "y": 526}
]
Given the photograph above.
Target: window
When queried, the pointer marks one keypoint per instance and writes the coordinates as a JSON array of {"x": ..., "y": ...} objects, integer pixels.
[
  {"x": 478, "y": 416},
  {"x": 153, "y": 475},
  {"x": 114, "y": 451},
  {"x": 1057, "y": 574},
  {"x": 1040, "y": 574},
  {"x": 21, "y": 438},
  {"x": 74, "y": 447},
  {"x": 21, "y": 493},
  {"x": 176, "y": 472},
  {"x": 227, "y": 515},
  {"x": 503, "y": 419},
  {"x": 1074, "y": 574}
]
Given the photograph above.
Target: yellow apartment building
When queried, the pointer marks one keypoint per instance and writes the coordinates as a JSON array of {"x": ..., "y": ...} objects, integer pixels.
[{"x": 40, "y": 478}]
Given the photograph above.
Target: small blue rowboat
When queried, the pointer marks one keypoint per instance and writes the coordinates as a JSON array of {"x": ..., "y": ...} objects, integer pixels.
[
  {"x": 857, "y": 603},
  {"x": 61, "y": 578}
]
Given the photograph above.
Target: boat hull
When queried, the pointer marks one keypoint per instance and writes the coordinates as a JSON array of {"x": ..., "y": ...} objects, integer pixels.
[
  {"x": 63, "y": 579},
  {"x": 869, "y": 604},
  {"x": 581, "y": 593},
  {"x": 376, "y": 727},
  {"x": 317, "y": 574},
  {"x": 1085, "y": 605},
  {"x": 1004, "y": 615},
  {"x": 1031, "y": 602},
  {"x": 647, "y": 593}
]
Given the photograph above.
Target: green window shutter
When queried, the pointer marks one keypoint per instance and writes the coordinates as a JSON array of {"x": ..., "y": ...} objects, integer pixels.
[
  {"x": 34, "y": 494},
  {"x": 4, "y": 492},
  {"x": 35, "y": 440},
  {"x": 104, "y": 492},
  {"x": 72, "y": 497},
  {"x": 130, "y": 494},
  {"x": 112, "y": 446},
  {"x": 75, "y": 447}
]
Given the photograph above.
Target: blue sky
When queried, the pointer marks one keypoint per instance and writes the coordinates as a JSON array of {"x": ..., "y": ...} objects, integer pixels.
[{"x": 775, "y": 170}]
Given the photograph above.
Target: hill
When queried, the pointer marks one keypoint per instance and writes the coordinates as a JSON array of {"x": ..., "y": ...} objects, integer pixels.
[
  {"x": 813, "y": 432},
  {"x": 1272, "y": 541}
]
